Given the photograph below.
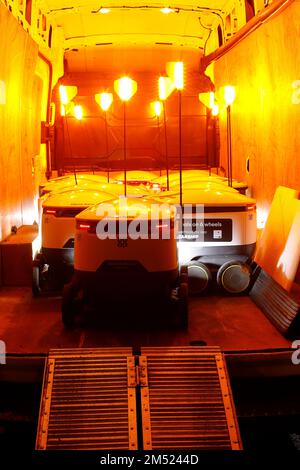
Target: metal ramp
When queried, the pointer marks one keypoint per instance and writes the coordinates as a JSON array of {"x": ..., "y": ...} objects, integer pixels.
[
  {"x": 109, "y": 399},
  {"x": 187, "y": 402},
  {"x": 86, "y": 403}
]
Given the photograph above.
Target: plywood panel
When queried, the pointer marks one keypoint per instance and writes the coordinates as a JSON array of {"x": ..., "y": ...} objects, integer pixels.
[
  {"x": 278, "y": 249},
  {"x": 42, "y": 71},
  {"x": 265, "y": 69},
  {"x": 19, "y": 123},
  {"x": 12, "y": 49},
  {"x": 16, "y": 257}
]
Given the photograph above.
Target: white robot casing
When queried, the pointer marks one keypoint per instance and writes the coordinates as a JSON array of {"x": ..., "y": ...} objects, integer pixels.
[{"x": 140, "y": 265}]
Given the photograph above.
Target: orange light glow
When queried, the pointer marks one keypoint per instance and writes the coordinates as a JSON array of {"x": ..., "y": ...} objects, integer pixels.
[
  {"x": 167, "y": 10},
  {"x": 67, "y": 93},
  {"x": 157, "y": 108},
  {"x": 125, "y": 88},
  {"x": 229, "y": 95},
  {"x": 215, "y": 110},
  {"x": 175, "y": 71},
  {"x": 78, "y": 114},
  {"x": 178, "y": 76},
  {"x": 104, "y": 11},
  {"x": 104, "y": 100},
  {"x": 165, "y": 87},
  {"x": 62, "y": 110},
  {"x": 63, "y": 95}
]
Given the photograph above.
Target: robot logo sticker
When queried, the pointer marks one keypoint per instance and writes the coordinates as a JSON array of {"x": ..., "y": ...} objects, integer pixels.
[
  {"x": 296, "y": 354},
  {"x": 2, "y": 352},
  {"x": 217, "y": 234}
]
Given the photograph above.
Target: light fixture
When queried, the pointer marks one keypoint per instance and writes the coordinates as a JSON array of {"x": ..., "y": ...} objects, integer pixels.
[
  {"x": 67, "y": 93},
  {"x": 104, "y": 11},
  {"x": 208, "y": 99},
  {"x": 157, "y": 108},
  {"x": 178, "y": 75},
  {"x": 125, "y": 88},
  {"x": 165, "y": 87},
  {"x": 78, "y": 113},
  {"x": 215, "y": 110},
  {"x": 167, "y": 10},
  {"x": 229, "y": 95},
  {"x": 63, "y": 95},
  {"x": 175, "y": 71},
  {"x": 104, "y": 100}
]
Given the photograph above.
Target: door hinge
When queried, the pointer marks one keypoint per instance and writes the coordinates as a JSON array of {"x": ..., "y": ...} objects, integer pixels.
[{"x": 137, "y": 374}]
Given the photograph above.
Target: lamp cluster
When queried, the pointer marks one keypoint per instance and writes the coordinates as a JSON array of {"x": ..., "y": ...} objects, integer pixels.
[
  {"x": 125, "y": 88},
  {"x": 209, "y": 99}
]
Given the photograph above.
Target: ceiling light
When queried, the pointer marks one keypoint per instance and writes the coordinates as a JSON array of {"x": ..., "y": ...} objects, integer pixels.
[
  {"x": 104, "y": 10},
  {"x": 167, "y": 10}
]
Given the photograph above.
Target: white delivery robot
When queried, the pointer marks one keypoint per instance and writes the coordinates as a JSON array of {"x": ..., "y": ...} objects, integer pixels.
[
  {"x": 68, "y": 181},
  {"x": 53, "y": 265},
  {"x": 217, "y": 236},
  {"x": 125, "y": 252}
]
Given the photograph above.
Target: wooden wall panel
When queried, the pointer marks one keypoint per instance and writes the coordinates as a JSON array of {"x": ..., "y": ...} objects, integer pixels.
[
  {"x": 19, "y": 123},
  {"x": 265, "y": 69},
  {"x": 43, "y": 73},
  {"x": 281, "y": 234}
]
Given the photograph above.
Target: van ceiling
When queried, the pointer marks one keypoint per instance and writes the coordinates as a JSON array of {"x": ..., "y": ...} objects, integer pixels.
[{"x": 134, "y": 34}]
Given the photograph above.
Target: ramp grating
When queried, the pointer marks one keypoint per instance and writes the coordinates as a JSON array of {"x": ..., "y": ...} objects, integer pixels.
[
  {"x": 187, "y": 402},
  {"x": 87, "y": 402},
  {"x": 90, "y": 396},
  {"x": 276, "y": 303}
]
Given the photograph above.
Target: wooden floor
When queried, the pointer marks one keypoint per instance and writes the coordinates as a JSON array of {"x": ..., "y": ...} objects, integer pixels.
[{"x": 29, "y": 325}]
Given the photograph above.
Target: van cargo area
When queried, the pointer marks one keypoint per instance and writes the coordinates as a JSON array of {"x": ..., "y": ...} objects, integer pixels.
[{"x": 149, "y": 230}]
